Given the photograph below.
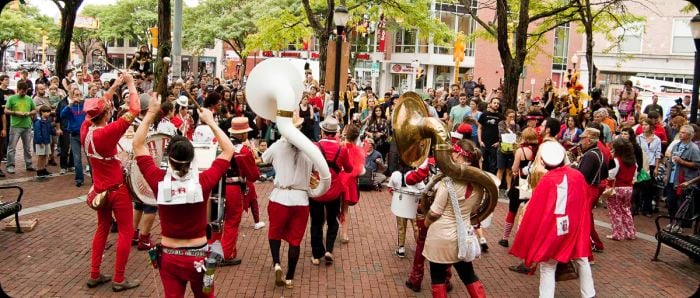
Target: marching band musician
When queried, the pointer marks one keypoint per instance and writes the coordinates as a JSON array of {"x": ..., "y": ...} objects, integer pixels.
[
  {"x": 289, "y": 203},
  {"x": 327, "y": 206},
  {"x": 239, "y": 188},
  {"x": 100, "y": 142},
  {"x": 397, "y": 182},
  {"x": 415, "y": 277},
  {"x": 143, "y": 64},
  {"x": 182, "y": 196}
]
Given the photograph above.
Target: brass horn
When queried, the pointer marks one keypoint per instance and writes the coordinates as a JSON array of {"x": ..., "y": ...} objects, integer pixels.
[{"x": 415, "y": 132}]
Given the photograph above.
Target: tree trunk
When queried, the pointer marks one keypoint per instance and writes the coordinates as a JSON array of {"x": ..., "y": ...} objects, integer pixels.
[
  {"x": 164, "y": 47},
  {"x": 589, "y": 57},
  {"x": 511, "y": 78},
  {"x": 68, "y": 15},
  {"x": 322, "y": 56},
  {"x": 2, "y": 58},
  {"x": 241, "y": 72}
]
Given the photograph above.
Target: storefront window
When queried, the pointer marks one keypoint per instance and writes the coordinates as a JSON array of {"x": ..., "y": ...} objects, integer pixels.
[{"x": 405, "y": 41}]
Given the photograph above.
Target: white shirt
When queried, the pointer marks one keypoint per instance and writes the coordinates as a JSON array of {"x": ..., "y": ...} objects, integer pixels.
[
  {"x": 395, "y": 183},
  {"x": 292, "y": 173}
]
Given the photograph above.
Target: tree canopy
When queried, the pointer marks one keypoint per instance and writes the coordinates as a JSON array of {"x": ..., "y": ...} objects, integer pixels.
[{"x": 25, "y": 24}]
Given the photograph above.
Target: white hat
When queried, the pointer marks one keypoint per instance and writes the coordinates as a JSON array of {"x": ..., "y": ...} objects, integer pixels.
[
  {"x": 553, "y": 153},
  {"x": 182, "y": 101}
]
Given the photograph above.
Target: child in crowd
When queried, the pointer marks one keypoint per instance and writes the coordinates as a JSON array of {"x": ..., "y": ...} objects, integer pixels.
[
  {"x": 43, "y": 130},
  {"x": 266, "y": 170}
]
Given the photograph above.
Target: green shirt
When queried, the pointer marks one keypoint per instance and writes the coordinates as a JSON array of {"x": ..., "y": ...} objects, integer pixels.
[{"x": 17, "y": 103}]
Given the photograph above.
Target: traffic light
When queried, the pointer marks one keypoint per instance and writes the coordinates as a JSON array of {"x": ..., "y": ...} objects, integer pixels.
[{"x": 154, "y": 36}]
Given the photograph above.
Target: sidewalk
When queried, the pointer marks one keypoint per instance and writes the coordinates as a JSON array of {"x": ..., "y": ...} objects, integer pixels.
[{"x": 54, "y": 260}]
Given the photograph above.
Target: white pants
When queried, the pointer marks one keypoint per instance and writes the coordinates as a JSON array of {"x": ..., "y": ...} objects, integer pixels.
[{"x": 585, "y": 278}]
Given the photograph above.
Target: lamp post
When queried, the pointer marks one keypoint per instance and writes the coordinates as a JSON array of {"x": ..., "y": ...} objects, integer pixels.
[
  {"x": 695, "y": 30},
  {"x": 340, "y": 18},
  {"x": 414, "y": 65}
]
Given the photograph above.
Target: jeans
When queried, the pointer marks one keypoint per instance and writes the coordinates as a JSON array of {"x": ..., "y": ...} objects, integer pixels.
[
  {"x": 66, "y": 159},
  {"x": 15, "y": 134},
  {"x": 77, "y": 157},
  {"x": 316, "y": 212},
  {"x": 490, "y": 157}
]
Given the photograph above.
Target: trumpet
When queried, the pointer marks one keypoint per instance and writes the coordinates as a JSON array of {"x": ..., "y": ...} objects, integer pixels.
[{"x": 574, "y": 153}]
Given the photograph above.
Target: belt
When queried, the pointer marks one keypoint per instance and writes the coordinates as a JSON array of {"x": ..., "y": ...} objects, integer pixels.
[
  {"x": 289, "y": 188},
  {"x": 235, "y": 179},
  {"x": 190, "y": 252}
]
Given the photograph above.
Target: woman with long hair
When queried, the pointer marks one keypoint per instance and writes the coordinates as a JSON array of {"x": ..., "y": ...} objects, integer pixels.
[
  {"x": 351, "y": 195},
  {"x": 445, "y": 223},
  {"x": 524, "y": 155},
  {"x": 628, "y": 134},
  {"x": 569, "y": 137},
  {"x": 619, "y": 204},
  {"x": 182, "y": 196},
  {"x": 377, "y": 128},
  {"x": 585, "y": 117},
  {"x": 306, "y": 112},
  {"x": 651, "y": 146},
  {"x": 504, "y": 159}
]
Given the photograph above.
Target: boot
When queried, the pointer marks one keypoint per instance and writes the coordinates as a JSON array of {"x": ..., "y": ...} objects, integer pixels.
[
  {"x": 144, "y": 242},
  {"x": 135, "y": 239},
  {"x": 439, "y": 291},
  {"x": 476, "y": 290}
]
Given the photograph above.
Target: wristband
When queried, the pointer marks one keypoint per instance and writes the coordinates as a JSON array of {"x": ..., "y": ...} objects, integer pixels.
[{"x": 128, "y": 117}]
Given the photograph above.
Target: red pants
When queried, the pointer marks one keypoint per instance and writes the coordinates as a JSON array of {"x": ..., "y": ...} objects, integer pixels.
[
  {"x": 176, "y": 271},
  {"x": 255, "y": 209},
  {"x": 287, "y": 223},
  {"x": 594, "y": 192},
  {"x": 415, "y": 277},
  {"x": 119, "y": 203},
  {"x": 232, "y": 220}
]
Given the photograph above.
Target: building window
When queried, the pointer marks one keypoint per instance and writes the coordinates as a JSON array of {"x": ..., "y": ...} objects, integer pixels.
[
  {"x": 561, "y": 47},
  {"x": 120, "y": 42},
  {"x": 682, "y": 42},
  {"x": 133, "y": 43},
  {"x": 405, "y": 41},
  {"x": 630, "y": 38},
  {"x": 455, "y": 17}
]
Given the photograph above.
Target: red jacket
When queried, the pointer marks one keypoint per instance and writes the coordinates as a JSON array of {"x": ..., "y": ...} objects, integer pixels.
[
  {"x": 332, "y": 150},
  {"x": 247, "y": 168}
]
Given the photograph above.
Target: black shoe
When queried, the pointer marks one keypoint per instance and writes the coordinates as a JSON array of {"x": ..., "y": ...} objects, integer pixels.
[
  {"x": 52, "y": 163},
  {"x": 231, "y": 262},
  {"x": 2, "y": 174},
  {"x": 503, "y": 242},
  {"x": 78, "y": 184},
  {"x": 415, "y": 288}
]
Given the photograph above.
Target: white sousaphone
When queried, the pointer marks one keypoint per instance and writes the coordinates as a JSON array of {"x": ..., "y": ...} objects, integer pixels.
[{"x": 274, "y": 90}]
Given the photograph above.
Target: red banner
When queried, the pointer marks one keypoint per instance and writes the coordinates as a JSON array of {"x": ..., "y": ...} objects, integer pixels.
[{"x": 381, "y": 34}]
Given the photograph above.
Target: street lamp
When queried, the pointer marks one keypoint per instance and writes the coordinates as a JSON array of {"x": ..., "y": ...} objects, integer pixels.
[
  {"x": 695, "y": 30},
  {"x": 340, "y": 18}
]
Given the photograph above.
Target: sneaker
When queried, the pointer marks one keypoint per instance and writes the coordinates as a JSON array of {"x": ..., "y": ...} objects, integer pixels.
[
  {"x": 315, "y": 261},
  {"x": 288, "y": 284},
  {"x": 278, "y": 275},
  {"x": 10, "y": 170},
  {"x": 63, "y": 171},
  {"x": 484, "y": 245},
  {"x": 259, "y": 225},
  {"x": 71, "y": 169},
  {"x": 79, "y": 184},
  {"x": 126, "y": 285},
  {"x": 91, "y": 283},
  {"x": 231, "y": 262},
  {"x": 400, "y": 252}
]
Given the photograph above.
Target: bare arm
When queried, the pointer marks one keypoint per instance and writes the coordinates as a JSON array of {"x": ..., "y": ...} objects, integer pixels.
[{"x": 140, "y": 135}]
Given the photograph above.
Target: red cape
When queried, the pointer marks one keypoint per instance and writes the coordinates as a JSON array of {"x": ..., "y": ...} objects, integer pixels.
[
  {"x": 537, "y": 240},
  {"x": 356, "y": 155}
]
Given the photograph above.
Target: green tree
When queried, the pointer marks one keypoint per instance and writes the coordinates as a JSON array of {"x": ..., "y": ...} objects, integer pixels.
[
  {"x": 230, "y": 21},
  {"x": 84, "y": 39},
  {"x": 69, "y": 11},
  {"x": 129, "y": 19},
  {"x": 291, "y": 22},
  {"x": 25, "y": 24}
]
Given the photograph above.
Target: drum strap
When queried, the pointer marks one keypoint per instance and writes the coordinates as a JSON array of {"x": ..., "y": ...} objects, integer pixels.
[{"x": 89, "y": 143}]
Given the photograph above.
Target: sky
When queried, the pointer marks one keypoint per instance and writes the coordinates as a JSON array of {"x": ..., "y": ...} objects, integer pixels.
[{"x": 48, "y": 8}]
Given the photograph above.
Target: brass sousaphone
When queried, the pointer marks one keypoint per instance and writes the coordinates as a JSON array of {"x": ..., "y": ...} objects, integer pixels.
[{"x": 415, "y": 132}]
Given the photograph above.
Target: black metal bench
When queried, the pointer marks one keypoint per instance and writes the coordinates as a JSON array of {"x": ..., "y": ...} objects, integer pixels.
[
  {"x": 9, "y": 208},
  {"x": 687, "y": 244}
]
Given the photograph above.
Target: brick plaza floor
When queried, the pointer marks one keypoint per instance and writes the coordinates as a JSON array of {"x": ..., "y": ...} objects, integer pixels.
[{"x": 53, "y": 260}]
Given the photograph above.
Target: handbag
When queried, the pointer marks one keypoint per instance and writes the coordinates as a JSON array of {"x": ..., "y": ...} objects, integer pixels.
[
  {"x": 97, "y": 201},
  {"x": 608, "y": 192},
  {"x": 468, "y": 247},
  {"x": 643, "y": 175},
  {"x": 524, "y": 188},
  {"x": 507, "y": 145},
  {"x": 565, "y": 271}
]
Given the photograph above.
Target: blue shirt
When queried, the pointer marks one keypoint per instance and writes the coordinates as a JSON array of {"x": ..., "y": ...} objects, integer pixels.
[
  {"x": 75, "y": 116},
  {"x": 43, "y": 129},
  {"x": 370, "y": 163}
]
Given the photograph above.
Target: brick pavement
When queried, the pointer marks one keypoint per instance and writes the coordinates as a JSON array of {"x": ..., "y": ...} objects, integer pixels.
[{"x": 54, "y": 261}]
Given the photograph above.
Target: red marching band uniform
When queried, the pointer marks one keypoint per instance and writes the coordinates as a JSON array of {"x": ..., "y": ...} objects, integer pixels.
[
  {"x": 100, "y": 145},
  {"x": 240, "y": 176}
]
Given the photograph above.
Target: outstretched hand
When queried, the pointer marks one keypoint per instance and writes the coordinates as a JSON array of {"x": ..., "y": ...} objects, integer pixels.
[
  {"x": 154, "y": 103},
  {"x": 206, "y": 116}
]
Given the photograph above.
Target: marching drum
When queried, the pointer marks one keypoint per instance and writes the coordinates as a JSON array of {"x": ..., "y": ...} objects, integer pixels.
[
  {"x": 137, "y": 185},
  {"x": 404, "y": 203}
]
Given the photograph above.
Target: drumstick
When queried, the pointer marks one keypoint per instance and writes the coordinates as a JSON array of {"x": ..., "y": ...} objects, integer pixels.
[
  {"x": 110, "y": 64},
  {"x": 196, "y": 105}
]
